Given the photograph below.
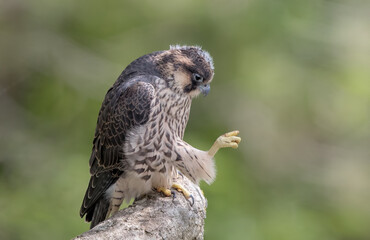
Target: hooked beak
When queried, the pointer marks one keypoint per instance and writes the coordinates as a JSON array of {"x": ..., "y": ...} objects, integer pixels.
[{"x": 204, "y": 89}]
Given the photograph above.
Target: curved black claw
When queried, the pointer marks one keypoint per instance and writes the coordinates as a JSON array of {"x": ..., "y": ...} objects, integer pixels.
[
  {"x": 173, "y": 192},
  {"x": 180, "y": 173},
  {"x": 191, "y": 202}
]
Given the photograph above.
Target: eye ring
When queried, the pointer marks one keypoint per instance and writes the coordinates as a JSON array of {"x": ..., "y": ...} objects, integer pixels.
[{"x": 197, "y": 78}]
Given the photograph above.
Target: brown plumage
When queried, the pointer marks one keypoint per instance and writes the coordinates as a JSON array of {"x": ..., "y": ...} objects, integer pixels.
[{"x": 138, "y": 142}]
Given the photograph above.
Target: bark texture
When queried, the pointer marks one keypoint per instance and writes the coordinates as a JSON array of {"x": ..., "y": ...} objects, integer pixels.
[{"x": 156, "y": 217}]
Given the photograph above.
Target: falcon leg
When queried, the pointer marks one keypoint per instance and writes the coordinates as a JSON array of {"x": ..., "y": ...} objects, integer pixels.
[{"x": 229, "y": 139}]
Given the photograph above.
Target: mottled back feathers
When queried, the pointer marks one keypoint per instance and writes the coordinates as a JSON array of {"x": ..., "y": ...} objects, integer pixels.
[{"x": 124, "y": 107}]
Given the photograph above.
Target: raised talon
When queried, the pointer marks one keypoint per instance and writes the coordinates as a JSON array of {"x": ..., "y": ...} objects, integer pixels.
[
  {"x": 229, "y": 139},
  {"x": 233, "y": 133}
]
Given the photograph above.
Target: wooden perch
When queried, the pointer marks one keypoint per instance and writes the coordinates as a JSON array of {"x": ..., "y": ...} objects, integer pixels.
[{"x": 156, "y": 217}]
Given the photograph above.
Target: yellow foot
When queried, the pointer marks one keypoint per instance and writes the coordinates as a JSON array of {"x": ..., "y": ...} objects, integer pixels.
[
  {"x": 229, "y": 139},
  {"x": 179, "y": 188},
  {"x": 185, "y": 192},
  {"x": 165, "y": 191}
]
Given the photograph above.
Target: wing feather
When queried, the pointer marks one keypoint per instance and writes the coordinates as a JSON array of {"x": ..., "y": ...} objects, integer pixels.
[{"x": 125, "y": 106}]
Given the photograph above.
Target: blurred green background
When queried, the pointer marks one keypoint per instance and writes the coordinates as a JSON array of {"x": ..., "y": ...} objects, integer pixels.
[{"x": 292, "y": 75}]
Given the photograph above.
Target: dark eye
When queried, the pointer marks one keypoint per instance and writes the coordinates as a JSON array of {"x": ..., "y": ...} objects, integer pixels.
[{"x": 197, "y": 78}]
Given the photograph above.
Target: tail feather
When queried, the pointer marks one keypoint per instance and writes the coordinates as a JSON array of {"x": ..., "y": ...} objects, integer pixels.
[
  {"x": 95, "y": 203},
  {"x": 98, "y": 213}
]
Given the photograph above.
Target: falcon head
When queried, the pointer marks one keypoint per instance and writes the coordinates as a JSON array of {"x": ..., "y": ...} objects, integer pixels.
[{"x": 187, "y": 69}]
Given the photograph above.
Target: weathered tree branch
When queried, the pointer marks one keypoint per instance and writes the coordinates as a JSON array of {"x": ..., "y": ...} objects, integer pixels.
[{"x": 156, "y": 217}]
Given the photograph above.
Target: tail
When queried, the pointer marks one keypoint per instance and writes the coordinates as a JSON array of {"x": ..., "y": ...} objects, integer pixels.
[
  {"x": 95, "y": 203},
  {"x": 98, "y": 212}
]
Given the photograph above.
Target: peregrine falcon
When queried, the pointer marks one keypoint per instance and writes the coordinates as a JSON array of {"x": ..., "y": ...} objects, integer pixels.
[{"x": 138, "y": 144}]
